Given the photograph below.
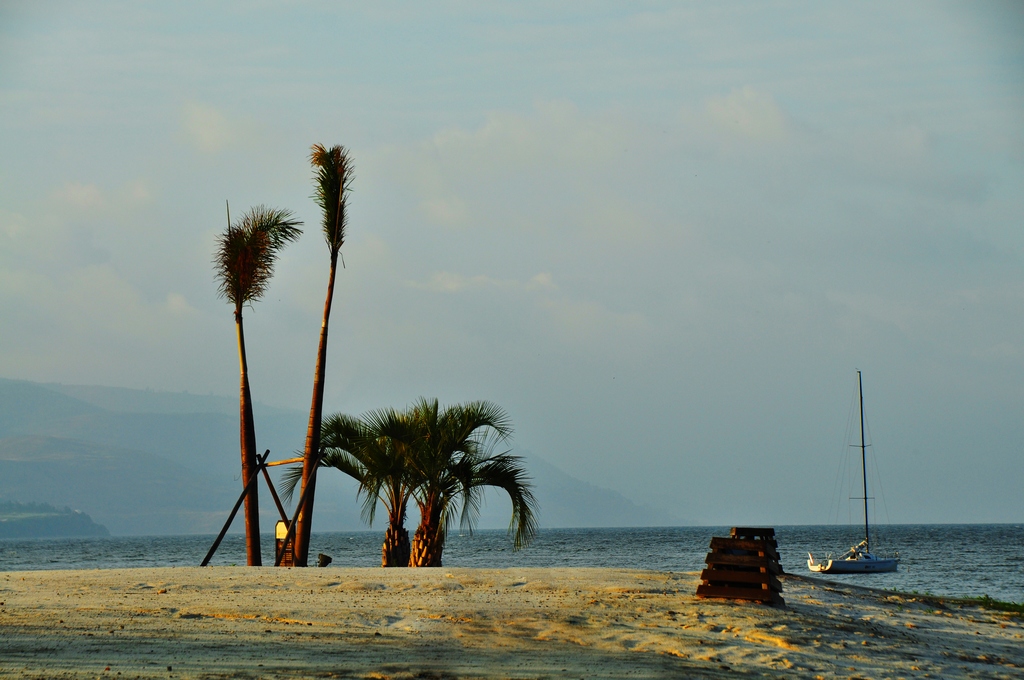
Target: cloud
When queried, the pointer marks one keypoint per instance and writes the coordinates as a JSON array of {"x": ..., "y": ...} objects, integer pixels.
[
  {"x": 888, "y": 310},
  {"x": 576, "y": 321},
  {"x": 137, "y": 193},
  {"x": 748, "y": 113},
  {"x": 556, "y": 132},
  {"x": 590, "y": 323},
  {"x": 999, "y": 352},
  {"x": 208, "y": 128},
  {"x": 542, "y": 280},
  {"x": 12, "y": 224},
  {"x": 449, "y": 211},
  {"x": 449, "y": 282},
  {"x": 89, "y": 197},
  {"x": 80, "y": 196},
  {"x": 177, "y": 304},
  {"x": 554, "y": 168}
]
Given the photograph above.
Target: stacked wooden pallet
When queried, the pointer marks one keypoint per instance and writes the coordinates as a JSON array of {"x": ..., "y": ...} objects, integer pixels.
[
  {"x": 766, "y": 534},
  {"x": 744, "y": 566}
]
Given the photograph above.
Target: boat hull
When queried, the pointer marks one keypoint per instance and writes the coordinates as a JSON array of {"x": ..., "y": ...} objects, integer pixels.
[{"x": 874, "y": 566}]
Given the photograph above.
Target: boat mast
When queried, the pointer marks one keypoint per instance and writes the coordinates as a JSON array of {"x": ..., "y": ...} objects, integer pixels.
[{"x": 863, "y": 465}]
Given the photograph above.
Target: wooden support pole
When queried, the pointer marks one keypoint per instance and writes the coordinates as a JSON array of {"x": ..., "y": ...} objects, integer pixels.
[
  {"x": 273, "y": 493},
  {"x": 260, "y": 462},
  {"x": 287, "y": 461}
]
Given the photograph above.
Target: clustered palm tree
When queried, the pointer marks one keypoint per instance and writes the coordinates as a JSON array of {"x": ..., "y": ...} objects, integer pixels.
[
  {"x": 244, "y": 264},
  {"x": 375, "y": 450},
  {"x": 442, "y": 459}
]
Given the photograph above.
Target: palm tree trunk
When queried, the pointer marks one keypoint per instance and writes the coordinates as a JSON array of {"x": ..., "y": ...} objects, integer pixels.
[
  {"x": 247, "y": 436},
  {"x": 316, "y": 409},
  {"x": 428, "y": 543},
  {"x": 395, "y": 551}
]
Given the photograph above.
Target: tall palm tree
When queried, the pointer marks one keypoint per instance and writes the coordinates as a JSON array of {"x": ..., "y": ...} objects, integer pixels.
[
  {"x": 452, "y": 463},
  {"x": 334, "y": 175},
  {"x": 243, "y": 264},
  {"x": 374, "y": 450}
]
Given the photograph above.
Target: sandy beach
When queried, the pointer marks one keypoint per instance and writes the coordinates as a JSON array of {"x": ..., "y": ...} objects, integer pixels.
[{"x": 473, "y": 623}]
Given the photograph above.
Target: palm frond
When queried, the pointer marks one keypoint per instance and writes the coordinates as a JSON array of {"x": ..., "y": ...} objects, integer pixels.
[
  {"x": 279, "y": 225},
  {"x": 448, "y": 517},
  {"x": 333, "y": 179},
  {"x": 344, "y": 462},
  {"x": 466, "y": 489},
  {"x": 341, "y": 431},
  {"x": 247, "y": 251},
  {"x": 289, "y": 480},
  {"x": 484, "y": 418},
  {"x": 338, "y": 431},
  {"x": 372, "y": 449},
  {"x": 506, "y": 472}
]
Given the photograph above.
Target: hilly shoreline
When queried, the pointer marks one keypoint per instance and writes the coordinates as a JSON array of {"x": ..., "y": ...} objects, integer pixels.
[
  {"x": 41, "y": 520},
  {"x": 142, "y": 462}
]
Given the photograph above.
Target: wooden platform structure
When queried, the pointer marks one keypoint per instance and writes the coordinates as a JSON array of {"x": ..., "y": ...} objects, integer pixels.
[
  {"x": 743, "y": 566},
  {"x": 284, "y": 544},
  {"x": 284, "y": 553}
]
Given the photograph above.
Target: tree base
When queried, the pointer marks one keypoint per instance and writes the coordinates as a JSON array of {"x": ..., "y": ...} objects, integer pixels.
[
  {"x": 395, "y": 552},
  {"x": 427, "y": 548}
]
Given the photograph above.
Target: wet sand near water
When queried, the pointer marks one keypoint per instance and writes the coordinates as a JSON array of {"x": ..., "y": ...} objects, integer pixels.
[{"x": 222, "y": 622}]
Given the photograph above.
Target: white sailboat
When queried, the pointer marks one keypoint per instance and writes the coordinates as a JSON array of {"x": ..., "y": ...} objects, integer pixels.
[{"x": 859, "y": 559}]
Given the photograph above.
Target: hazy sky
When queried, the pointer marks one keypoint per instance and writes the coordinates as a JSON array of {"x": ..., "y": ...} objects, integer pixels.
[{"x": 662, "y": 235}]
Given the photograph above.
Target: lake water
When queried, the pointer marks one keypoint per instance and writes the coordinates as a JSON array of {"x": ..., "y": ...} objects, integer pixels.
[{"x": 952, "y": 560}]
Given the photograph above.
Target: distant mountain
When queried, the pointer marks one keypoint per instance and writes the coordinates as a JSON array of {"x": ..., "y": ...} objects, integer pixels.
[
  {"x": 126, "y": 400},
  {"x": 138, "y": 473},
  {"x": 144, "y": 462},
  {"x": 571, "y": 503},
  {"x": 131, "y": 492},
  {"x": 27, "y": 407},
  {"x": 197, "y": 431},
  {"x": 41, "y": 520},
  {"x": 567, "y": 502}
]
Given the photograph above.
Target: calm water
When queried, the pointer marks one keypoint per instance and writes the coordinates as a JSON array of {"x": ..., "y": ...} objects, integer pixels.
[{"x": 972, "y": 560}]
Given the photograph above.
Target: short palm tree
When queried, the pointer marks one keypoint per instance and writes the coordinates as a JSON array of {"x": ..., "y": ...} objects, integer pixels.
[
  {"x": 452, "y": 463},
  {"x": 244, "y": 264},
  {"x": 334, "y": 175},
  {"x": 374, "y": 450}
]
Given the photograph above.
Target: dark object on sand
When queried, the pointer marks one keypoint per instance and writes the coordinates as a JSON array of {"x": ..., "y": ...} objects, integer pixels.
[
  {"x": 744, "y": 566},
  {"x": 323, "y": 560}
]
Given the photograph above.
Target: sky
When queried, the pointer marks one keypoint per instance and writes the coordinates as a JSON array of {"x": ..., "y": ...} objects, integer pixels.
[{"x": 663, "y": 236}]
